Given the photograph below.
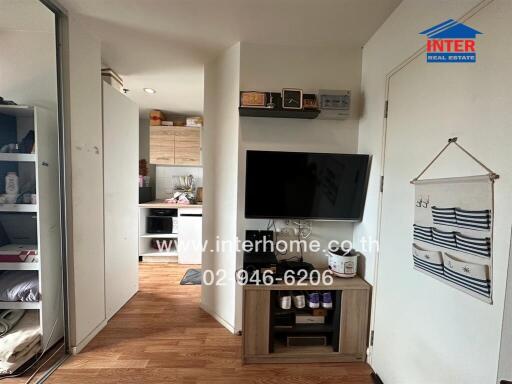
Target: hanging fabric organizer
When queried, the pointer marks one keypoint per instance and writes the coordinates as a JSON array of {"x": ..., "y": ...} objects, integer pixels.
[{"x": 453, "y": 229}]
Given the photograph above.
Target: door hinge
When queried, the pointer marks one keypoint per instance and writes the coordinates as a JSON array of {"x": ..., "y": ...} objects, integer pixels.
[
  {"x": 386, "y": 104},
  {"x": 372, "y": 333},
  {"x": 382, "y": 183}
]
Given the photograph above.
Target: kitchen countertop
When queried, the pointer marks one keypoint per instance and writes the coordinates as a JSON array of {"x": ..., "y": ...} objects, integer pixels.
[{"x": 162, "y": 204}]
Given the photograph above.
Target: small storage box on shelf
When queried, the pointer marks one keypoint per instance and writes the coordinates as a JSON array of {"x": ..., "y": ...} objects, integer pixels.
[{"x": 345, "y": 329}]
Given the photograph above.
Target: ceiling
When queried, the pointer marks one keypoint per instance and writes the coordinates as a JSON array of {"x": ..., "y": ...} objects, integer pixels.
[{"x": 164, "y": 44}]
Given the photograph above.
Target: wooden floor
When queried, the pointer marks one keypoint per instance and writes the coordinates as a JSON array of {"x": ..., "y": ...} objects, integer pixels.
[{"x": 161, "y": 336}]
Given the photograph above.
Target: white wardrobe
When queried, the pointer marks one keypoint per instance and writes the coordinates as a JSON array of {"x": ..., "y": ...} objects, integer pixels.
[{"x": 120, "y": 179}]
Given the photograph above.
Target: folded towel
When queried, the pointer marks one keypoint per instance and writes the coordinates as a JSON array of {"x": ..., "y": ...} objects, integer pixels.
[
  {"x": 22, "y": 339},
  {"x": 9, "y": 318},
  {"x": 10, "y": 368}
]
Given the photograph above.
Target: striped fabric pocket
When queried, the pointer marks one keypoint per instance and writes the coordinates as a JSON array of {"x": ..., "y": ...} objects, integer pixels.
[
  {"x": 429, "y": 261},
  {"x": 473, "y": 219},
  {"x": 444, "y": 216},
  {"x": 473, "y": 277},
  {"x": 444, "y": 239},
  {"x": 476, "y": 246},
  {"x": 422, "y": 233}
]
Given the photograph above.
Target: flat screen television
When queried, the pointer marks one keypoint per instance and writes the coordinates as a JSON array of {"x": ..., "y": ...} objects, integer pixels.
[{"x": 298, "y": 185}]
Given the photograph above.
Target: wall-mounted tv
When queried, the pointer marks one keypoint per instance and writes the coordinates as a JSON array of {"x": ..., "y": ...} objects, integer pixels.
[{"x": 298, "y": 185}]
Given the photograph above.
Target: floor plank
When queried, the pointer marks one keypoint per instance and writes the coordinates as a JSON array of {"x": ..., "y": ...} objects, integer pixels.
[{"x": 162, "y": 336}]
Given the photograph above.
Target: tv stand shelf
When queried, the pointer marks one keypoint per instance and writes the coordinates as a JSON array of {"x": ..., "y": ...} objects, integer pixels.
[{"x": 345, "y": 328}]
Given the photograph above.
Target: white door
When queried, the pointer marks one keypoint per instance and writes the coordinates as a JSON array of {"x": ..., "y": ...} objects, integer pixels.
[
  {"x": 427, "y": 332},
  {"x": 121, "y": 158},
  {"x": 190, "y": 235}
]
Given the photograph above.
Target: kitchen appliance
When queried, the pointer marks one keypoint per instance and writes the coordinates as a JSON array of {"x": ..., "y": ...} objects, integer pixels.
[
  {"x": 162, "y": 221},
  {"x": 343, "y": 262},
  {"x": 299, "y": 185},
  {"x": 190, "y": 240}
]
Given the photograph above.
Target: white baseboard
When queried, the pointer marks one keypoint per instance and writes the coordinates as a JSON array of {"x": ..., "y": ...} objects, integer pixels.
[
  {"x": 223, "y": 322},
  {"x": 75, "y": 350}
]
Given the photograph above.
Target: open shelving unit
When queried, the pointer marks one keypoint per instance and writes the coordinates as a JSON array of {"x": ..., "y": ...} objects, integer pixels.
[
  {"x": 146, "y": 250},
  {"x": 34, "y": 226},
  {"x": 278, "y": 111},
  {"x": 266, "y": 327},
  {"x": 279, "y": 333}
]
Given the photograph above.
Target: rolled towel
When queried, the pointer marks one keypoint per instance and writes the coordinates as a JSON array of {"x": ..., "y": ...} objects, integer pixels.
[
  {"x": 25, "y": 336},
  {"x": 9, "y": 318}
]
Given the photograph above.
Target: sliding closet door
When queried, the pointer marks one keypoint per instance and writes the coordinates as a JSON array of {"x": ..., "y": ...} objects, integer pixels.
[
  {"x": 121, "y": 158},
  {"x": 426, "y": 331}
]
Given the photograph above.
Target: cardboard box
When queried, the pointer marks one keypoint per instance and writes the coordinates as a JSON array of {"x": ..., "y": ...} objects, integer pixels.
[
  {"x": 309, "y": 319},
  {"x": 156, "y": 117}
]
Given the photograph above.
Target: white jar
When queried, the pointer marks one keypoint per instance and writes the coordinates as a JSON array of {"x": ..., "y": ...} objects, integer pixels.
[{"x": 11, "y": 183}]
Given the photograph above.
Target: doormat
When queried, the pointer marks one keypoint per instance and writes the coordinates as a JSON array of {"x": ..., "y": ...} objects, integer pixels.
[{"x": 192, "y": 277}]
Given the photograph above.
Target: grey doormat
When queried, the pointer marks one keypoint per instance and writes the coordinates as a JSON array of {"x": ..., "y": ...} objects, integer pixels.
[{"x": 192, "y": 277}]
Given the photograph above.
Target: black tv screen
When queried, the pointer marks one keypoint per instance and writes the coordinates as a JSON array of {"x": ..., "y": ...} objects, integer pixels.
[{"x": 297, "y": 185}]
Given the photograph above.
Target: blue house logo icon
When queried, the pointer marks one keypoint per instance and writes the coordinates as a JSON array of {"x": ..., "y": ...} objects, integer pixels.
[{"x": 451, "y": 42}]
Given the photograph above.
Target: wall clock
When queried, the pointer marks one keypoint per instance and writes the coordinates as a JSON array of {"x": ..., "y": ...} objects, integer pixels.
[{"x": 292, "y": 98}]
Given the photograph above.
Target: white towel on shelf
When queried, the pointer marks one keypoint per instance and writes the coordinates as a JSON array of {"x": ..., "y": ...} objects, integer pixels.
[
  {"x": 22, "y": 339},
  {"x": 10, "y": 368}
]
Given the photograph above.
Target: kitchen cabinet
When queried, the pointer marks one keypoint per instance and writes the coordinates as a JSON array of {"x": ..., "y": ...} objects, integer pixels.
[
  {"x": 161, "y": 145},
  {"x": 182, "y": 244},
  {"x": 170, "y": 145}
]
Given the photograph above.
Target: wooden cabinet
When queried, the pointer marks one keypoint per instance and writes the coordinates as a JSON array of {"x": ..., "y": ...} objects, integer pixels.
[
  {"x": 257, "y": 323},
  {"x": 161, "y": 145},
  {"x": 345, "y": 327},
  {"x": 170, "y": 145},
  {"x": 187, "y": 146}
]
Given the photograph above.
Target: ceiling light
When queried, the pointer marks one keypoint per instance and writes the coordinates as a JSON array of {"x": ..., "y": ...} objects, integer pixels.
[{"x": 149, "y": 90}]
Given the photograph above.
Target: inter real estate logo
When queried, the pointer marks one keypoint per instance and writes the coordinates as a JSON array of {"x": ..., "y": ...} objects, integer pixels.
[{"x": 451, "y": 42}]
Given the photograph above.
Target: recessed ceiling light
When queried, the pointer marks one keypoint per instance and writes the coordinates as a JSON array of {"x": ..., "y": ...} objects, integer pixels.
[{"x": 149, "y": 90}]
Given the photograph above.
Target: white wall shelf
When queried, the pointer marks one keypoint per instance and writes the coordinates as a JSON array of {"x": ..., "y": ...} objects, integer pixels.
[
  {"x": 20, "y": 305},
  {"x": 19, "y": 266},
  {"x": 18, "y": 207},
  {"x": 24, "y": 157}
]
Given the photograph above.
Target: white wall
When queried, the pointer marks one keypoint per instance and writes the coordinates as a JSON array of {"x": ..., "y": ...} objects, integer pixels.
[
  {"x": 85, "y": 201},
  {"x": 426, "y": 332},
  {"x": 220, "y": 159},
  {"x": 273, "y": 67}
]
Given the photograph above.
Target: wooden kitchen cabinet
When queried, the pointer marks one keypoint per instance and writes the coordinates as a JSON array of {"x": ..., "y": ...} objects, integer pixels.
[
  {"x": 187, "y": 146},
  {"x": 170, "y": 145},
  {"x": 161, "y": 145}
]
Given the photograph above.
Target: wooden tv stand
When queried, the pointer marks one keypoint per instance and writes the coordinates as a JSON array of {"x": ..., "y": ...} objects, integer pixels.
[{"x": 347, "y": 329}]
